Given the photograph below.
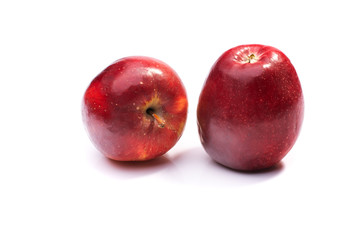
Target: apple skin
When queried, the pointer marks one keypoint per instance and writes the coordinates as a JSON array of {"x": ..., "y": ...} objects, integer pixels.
[
  {"x": 251, "y": 108},
  {"x": 119, "y": 105}
]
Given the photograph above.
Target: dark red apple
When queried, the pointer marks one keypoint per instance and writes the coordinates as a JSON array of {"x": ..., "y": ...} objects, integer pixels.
[
  {"x": 251, "y": 108},
  {"x": 135, "y": 109}
]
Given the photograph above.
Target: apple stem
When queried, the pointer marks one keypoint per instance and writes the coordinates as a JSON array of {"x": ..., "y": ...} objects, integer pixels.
[
  {"x": 251, "y": 57},
  {"x": 161, "y": 122}
]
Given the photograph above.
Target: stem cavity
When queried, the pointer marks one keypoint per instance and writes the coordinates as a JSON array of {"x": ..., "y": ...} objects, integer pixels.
[
  {"x": 158, "y": 119},
  {"x": 251, "y": 58}
]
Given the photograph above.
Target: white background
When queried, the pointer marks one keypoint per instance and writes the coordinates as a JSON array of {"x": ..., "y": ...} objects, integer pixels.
[{"x": 55, "y": 185}]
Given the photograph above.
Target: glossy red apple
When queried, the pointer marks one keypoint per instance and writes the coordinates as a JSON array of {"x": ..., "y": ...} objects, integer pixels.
[
  {"x": 135, "y": 109},
  {"x": 251, "y": 108}
]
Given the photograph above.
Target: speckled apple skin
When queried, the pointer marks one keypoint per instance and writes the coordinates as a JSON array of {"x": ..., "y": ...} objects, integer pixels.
[
  {"x": 250, "y": 114},
  {"x": 115, "y": 108}
]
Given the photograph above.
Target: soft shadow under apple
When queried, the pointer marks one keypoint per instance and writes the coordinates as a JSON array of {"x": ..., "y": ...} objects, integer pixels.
[
  {"x": 194, "y": 166},
  {"x": 129, "y": 170}
]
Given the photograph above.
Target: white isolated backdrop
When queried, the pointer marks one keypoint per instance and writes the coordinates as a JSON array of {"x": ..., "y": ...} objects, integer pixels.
[{"x": 55, "y": 185}]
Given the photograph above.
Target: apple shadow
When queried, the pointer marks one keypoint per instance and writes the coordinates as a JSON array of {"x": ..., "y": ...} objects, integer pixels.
[
  {"x": 131, "y": 169},
  {"x": 274, "y": 169},
  {"x": 194, "y": 166}
]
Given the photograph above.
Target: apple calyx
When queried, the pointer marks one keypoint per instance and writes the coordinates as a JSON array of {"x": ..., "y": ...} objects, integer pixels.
[{"x": 159, "y": 120}]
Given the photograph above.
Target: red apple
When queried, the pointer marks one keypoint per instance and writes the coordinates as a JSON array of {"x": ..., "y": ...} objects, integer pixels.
[
  {"x": 135, "y": 109},
  {"x": 251, "y": 108}
]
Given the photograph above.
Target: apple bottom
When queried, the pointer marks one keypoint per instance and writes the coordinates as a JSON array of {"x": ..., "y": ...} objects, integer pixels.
[
  {"x": 249, "y": 148},
  {"x": 133, "y": 145}
]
